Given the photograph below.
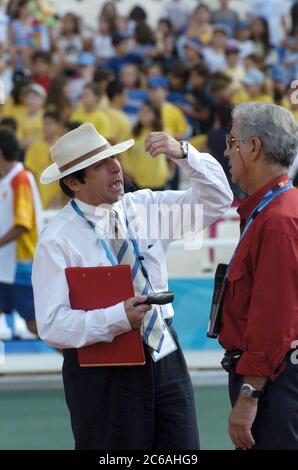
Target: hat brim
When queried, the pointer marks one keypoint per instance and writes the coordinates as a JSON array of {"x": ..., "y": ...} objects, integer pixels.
[{"x": 52, "y": 173}]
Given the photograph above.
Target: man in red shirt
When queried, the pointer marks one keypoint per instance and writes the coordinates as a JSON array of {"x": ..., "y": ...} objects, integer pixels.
[{"x": 260, "y": 309}]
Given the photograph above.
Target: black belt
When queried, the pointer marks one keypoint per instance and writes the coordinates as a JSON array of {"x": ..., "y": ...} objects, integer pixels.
[{"x": 230, "y": 359}]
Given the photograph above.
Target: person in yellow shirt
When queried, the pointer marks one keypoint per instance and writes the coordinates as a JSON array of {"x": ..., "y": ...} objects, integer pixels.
[
  {"x": 14, "y": 106},
  {"x": 37, "y": 158},
  {"x": 173, "y": 118},
  {"x": 120, "y": 125},
  {"x": 234, "y": 69},
  {"x": 143, "y": 170},
  {"x": 199, "y": 24},
  {"x": 59, "y": 98},
  {"x": 88, "y": 111},
  {"x": 30, "y": 128},
  {"x": 255, "y": 88}
]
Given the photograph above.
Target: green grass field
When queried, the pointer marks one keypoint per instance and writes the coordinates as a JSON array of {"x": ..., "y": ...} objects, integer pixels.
[{"x": 37, "y": 420}]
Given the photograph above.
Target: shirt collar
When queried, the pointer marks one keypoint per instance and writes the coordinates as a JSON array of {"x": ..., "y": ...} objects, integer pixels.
[
  {"x": 250, "y": 202},
  {"x": 88, "y": 209},
  {"x": 94, "y": 211}
]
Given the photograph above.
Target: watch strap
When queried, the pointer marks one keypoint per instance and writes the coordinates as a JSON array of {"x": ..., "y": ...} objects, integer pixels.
[
  {"x": 257, "y": 393},
  {"x": 184, "y": 148}
]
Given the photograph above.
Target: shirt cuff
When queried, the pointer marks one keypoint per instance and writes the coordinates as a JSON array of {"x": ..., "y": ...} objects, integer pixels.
[
  {"x": 197, "y": 162},
  {"x": 255, "y": 364},
  {"x": 116, "y": 319}
]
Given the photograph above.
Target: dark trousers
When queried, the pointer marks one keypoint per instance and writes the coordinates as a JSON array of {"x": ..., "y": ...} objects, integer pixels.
[
  {"x": 276, "y": 423},
  {"x": 135, "y": 407}
]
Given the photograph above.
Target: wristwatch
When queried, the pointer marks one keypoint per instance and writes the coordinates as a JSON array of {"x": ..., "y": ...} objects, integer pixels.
[
  {"x": 248, "y": 391},
  {"x": 184, "y": 148}
]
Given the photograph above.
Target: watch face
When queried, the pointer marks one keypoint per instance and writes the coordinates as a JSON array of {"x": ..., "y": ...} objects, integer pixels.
[
  {"x": 246, "y": 391},
  {"x": 184, "y": 147}
]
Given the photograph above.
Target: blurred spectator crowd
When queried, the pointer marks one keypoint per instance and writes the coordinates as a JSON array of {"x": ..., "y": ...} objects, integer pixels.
[{"x": 128, "y": 78}]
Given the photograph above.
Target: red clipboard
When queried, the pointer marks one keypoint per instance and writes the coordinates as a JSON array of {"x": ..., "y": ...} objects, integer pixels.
[{"x": 100, "y": 287}]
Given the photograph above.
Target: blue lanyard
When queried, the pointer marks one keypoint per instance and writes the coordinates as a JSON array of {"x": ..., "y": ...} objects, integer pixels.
[
  {"x": 275, "y": 191},
  {"x": 105, "y": 246},
  {"x": 93, "y": 226}
]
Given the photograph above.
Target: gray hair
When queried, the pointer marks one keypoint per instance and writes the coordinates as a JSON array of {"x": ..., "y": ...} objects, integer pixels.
[{"x": 274, "y": 125}]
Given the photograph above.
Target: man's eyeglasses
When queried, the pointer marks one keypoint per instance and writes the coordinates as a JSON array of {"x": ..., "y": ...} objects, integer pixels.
[{"x": 230, "y": 140}]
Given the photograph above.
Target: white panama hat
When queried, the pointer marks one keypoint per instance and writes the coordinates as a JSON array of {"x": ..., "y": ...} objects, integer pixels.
[{"x": 79, "y": 149}]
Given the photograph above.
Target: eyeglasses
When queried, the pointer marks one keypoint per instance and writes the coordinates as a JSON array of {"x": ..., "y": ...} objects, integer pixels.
[{"x": 230, "y": 140}]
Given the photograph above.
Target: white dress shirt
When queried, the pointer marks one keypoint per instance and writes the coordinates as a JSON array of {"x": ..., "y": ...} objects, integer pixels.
[{"x": 68, "y": 240}]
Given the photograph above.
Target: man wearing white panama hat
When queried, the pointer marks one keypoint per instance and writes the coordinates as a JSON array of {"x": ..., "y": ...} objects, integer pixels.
[{"x": 135, "y": 407}]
